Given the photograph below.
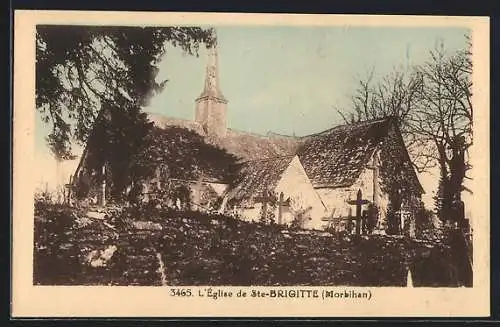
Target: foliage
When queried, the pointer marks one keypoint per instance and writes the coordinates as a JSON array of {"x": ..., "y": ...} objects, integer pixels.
[
  {"x": 423, "y": 220},
  {"x": 372, "y": 216},
  {"x": 300, "y": 218},
  {"x": 144, "y": 155},
  {"x": 117, "y": 137},
  {"x": 397, "y": 174},
  {"x": 392, "y": 218},
  {"x": 43, "y": 197},
  {"x": 183, "y": 154},
  {"x": 80, "y": 68},
  {"x": 443, "y": 196},
  {"x": 54, "y": 253}
]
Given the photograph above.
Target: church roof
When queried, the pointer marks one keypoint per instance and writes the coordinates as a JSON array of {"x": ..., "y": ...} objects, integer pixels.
[
  {"x": 258, "y": 177},
  {"x": 250, "y": 146},
  {"x": 164, "y": 121},
  {"x": 337, "y": 157},
  {"x": 333, "y": 158}
]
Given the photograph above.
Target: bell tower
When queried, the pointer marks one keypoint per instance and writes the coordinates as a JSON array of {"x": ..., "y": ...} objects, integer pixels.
[{"x": 211, "y": 105}]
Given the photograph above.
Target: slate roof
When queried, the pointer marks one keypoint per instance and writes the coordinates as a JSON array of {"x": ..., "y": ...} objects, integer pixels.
[
  {"x": 257, "y": 177},
  {"x": 332, "y": 158},
  {"x": 250, "y": 146},
  {"x": 336, "y": 157}
]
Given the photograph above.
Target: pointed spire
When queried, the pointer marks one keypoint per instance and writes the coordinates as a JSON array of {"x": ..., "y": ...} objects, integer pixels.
[
  {"x": 211, "y": 105},
  {"x": 211, "y": 87}
]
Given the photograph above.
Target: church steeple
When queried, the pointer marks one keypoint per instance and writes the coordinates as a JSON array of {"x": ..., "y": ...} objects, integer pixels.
[
  {"x": 211, "y": 104},
  {"x": 211, "y": 87}
]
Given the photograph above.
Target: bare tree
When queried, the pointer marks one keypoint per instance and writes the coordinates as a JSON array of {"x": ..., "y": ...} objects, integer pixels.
[
  {"x": 394, "y": 95},
  {"x": 361, "y": 100},
  {"x": 433, "y": 105},
  {"x": 443, "y": 122}
]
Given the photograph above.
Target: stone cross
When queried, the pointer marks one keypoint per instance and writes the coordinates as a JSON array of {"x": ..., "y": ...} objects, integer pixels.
[
  {"x": 401, "y": 221},
  {"x": 403, "y": 216},
  {"x": 359, "y": 202}
]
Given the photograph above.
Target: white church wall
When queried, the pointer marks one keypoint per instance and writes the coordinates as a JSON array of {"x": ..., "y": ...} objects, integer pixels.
[
  {"x": 336, "y": 199},
  {"x": 296, "y": 185},
  {"x": 251, "y": 214}
]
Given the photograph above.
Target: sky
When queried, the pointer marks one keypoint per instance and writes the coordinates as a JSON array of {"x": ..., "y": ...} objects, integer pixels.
[
  {"x": 284, "y": 79},
  {"x": 291, "y": 79}
]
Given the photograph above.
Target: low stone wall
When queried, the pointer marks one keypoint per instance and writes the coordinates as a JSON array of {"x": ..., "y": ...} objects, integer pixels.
[{"x": 199, "y": 249}]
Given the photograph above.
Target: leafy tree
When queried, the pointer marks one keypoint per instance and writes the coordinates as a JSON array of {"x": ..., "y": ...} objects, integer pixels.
[
  {"x": 80, "y": 69},
  {"x": 142, "y": 153},
  {"x": 117, "y": 137}
]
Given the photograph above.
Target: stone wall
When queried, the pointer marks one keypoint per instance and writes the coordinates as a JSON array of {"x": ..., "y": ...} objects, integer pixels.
[{"x": 199, "y": 249}]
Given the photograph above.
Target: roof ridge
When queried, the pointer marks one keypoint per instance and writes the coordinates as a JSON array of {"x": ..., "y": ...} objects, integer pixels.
[
  {"x": 275, "y": 134},
  {"x": 247, "y": 133},
  {"x": 158, "y": 115},
  {"x": 271, "y": 158},
  {"x": 355, "y": 124}
]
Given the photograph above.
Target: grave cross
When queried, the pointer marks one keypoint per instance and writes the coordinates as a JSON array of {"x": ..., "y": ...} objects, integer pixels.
[
  {"x": 358, "y": 203},
  {"x": 264, "y": 199},
  {"x": 269, "y": 197}
]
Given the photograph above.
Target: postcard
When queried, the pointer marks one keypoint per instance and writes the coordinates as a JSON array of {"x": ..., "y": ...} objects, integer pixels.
[{"x": 250, "y": 165}]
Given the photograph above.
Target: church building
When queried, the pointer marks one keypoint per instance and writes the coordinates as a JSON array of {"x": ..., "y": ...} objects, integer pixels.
[{"x": 310, "y": 180}]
